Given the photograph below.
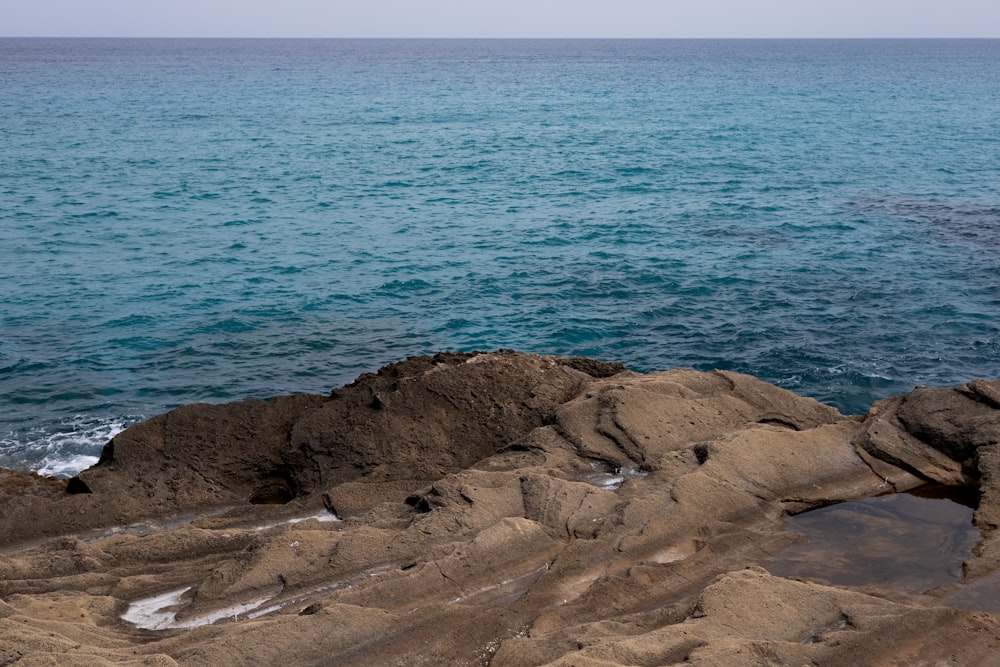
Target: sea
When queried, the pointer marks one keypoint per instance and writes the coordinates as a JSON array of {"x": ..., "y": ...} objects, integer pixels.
[{"x": 212, "y": 220}]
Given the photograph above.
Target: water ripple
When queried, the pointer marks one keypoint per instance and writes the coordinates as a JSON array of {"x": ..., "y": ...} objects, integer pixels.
[{"x": 212, "y": 220}]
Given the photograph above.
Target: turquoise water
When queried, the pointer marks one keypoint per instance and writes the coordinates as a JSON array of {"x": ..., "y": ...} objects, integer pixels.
[{"x": 207, "y": 220}]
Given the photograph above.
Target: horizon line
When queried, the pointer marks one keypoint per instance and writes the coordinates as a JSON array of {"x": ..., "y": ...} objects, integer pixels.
[{"x": 496, "y": 38}]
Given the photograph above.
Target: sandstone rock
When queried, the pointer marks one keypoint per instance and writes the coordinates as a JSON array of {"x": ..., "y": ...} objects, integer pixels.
[
  {"x": 883, "y": 437},
  {"x": 423, "y": 418},
  {"x": 953, "y": 421},
  {"x": 498, "y": 509},
  {"x": 15, "y": 484},
  {"x": 935, "y": 432},
  {"x": 751, "y": 618}
]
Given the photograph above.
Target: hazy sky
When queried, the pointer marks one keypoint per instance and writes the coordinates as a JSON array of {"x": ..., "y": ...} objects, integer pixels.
[{"x": 501, "y": 18}]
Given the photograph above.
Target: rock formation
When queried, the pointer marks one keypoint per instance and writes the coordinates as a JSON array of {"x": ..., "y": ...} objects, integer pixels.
[{"x": 491, "y": 509}]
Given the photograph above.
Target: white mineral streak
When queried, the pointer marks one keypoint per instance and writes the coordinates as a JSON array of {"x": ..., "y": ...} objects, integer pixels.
[
  {"x": 322, "y": 516},
  {"x": 159, "y": 612}
]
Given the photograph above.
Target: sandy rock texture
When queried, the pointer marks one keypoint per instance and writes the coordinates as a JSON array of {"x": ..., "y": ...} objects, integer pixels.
[{"x": 490, "y": 509}]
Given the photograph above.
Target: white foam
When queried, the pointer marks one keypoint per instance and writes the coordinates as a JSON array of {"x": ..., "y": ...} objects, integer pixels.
[
  {"x": 53, "y": 467},
  {"x": 75, "y": 446}
]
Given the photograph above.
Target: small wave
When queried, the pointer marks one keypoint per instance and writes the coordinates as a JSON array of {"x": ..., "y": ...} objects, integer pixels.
[
  {"x": 229, "y": 325},
  {"x": 94, "y": 215},
  {"x": 406, "y": 287},
  {"x": 65, "y": 450}
]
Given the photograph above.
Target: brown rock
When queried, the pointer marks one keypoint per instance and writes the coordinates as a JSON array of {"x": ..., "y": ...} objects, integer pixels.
[
  {"x": 951, "y": 420},
  {"x": 498, "y": 509},
  {"x": 402, "y": 428},
  {"x": 935, "y": 432},
  {"x": 885, "y": 438},
  {"x": 15, "y": 484}
]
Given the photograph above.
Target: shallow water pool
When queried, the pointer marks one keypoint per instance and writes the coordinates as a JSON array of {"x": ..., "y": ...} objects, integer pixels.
[{"x": 913, "y": 542}]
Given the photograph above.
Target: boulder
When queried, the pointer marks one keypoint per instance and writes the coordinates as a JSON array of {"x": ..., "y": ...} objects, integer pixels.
[{"x": 935, "y": 432}]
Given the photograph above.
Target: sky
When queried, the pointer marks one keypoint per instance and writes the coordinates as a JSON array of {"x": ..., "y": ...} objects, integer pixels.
[{"x": 500, "y": 18}]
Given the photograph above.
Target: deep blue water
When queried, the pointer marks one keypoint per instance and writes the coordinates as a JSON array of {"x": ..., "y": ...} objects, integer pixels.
[{"x": 208, "y": 220}]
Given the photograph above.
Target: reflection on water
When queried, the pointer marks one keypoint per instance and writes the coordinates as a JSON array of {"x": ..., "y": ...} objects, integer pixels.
[
  {"x": 981, "y": 594},
  {"x": 912, "y": 542}
]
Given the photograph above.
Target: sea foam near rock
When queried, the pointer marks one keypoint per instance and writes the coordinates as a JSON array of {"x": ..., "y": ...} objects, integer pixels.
[{"x": 62, "y": 451}]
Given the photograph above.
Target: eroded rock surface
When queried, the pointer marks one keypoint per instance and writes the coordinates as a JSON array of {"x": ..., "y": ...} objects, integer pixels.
[
  {"x": 935, "y": 432},
  {"x": 500, "y": 509}
]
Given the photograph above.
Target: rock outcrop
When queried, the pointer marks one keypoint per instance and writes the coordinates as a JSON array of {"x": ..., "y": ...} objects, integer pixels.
[
  {"x": 936, "y": 433},
  {"x": 405, "y": 426},
  {"x": 500, "y": 509}
]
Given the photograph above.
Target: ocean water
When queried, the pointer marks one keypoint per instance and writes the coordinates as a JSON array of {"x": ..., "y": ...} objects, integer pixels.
[{"x": 209, "y": 220}]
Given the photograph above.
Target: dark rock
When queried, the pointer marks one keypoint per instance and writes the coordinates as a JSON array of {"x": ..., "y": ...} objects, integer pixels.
[
  {"x": 434, "y": 415},
  {"x": 984, "y": 391},
  {"x": 408, "y": 424},
  {"x": 950, "y": 420},
  {"x": 593, "y": 367},
  {"x": 76, "y": 485},
  {"x": 885, "y": 438},
  {"x": 935, "y": 432},
  {"x": 18, "y": 484}
]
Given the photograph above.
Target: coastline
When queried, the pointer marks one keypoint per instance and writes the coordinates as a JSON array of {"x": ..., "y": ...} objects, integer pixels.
[{"x": 494, "y": 508}]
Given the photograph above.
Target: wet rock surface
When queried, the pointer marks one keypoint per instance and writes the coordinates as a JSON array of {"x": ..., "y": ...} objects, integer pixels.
[{"x": 492, "y": 508}]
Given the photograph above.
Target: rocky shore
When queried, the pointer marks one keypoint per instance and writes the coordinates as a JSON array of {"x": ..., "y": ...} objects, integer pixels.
[{"x": 496, "y": 509}]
